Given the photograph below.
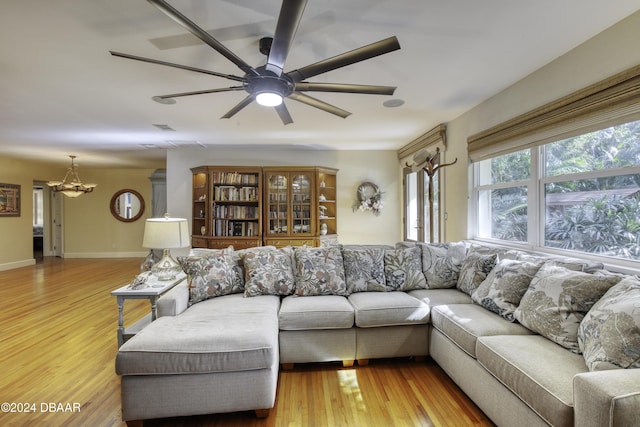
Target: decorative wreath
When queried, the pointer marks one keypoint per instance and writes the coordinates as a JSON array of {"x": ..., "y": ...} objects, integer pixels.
[{"x": 368, "y": 198}]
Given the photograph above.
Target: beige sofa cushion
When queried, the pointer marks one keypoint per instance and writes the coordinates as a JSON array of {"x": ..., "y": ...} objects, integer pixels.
[
  {"x": 315, "y": 312},
  {"x": 434, "y": 297},
  {"x": 465, "y": 323},
  {"x": 543, "y": 378},
  {"x": 373, "y": 309}
]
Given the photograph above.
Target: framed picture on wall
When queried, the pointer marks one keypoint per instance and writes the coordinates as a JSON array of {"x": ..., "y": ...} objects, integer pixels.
[{"x": 9, "y": 200}]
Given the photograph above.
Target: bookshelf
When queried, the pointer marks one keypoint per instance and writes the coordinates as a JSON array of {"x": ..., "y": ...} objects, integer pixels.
[{"x": 233, "y": 214}]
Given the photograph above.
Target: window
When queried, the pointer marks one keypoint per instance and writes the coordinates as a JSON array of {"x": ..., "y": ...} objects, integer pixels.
[
  {"x": 418, "y": 209},
  {"x": 38, "y": 206},
  {"x": 584, "y": 197}
]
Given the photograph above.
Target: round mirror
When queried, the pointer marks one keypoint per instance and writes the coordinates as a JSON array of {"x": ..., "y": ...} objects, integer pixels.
[{"x": 127, "y": 205}]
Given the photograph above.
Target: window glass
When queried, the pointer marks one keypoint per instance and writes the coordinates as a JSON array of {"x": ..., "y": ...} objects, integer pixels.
[
  {"x": 610, "y": 148},
  {"x": 507, "y": 168},
  {"x": 412, "y": 208},
  {"x": 600, "y": 215},
  {"x": 502, "y": 214}
]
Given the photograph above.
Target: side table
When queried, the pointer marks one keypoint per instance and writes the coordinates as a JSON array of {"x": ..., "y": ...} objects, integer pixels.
[{"x": 152, "y": 291}]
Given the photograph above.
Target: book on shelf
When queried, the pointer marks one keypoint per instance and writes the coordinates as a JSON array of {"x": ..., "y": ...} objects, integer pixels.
[
  {"x": 232, "y": 193},
  {"x": 227, "y": 228},
  {"x": 235, "y": 178}
]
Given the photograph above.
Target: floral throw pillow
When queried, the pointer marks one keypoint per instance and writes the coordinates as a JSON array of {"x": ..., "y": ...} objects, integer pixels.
[
  {"x": 403, "y": 269},
  {"x": 505, "y": 285},
  {"x": 211, "y": 276},
  {"x": 364, "y": 268},
  {"x": 441, "y": 263},
  {"x": 268, "y": 272},
  {"x": 609, "y": 335},
  {"x": 558, "y": 299},
  {"x": 474, "y": 270},
  {"x": 319, "y": 271}
]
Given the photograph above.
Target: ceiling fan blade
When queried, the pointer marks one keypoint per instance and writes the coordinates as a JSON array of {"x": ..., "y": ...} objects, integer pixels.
[
  {"x": 306, "y": 99},
  {"x": 172, "y": 13},
  {"x": 201, "y": 92},
  {"x": 360, "y": 54},
  {"x": 283, "y": 112},
  {"x": 182, "y": 67},
  {"x": 248, "y": 100},
  {"x": 290, "y": 15},
  {"x": 344, "y": 88}
]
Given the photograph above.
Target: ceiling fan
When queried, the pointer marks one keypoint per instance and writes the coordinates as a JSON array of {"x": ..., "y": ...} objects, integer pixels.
[{"x": 268, "y": 85}]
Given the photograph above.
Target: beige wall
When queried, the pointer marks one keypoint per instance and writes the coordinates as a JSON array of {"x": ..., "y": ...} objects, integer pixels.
[
  {"x": 608, "y": 53},
  {"x": 380, "y": 167},
  {"x": 89, "y": 228}
]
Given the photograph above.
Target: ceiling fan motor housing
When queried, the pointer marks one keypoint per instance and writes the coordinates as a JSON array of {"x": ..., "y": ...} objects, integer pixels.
[{"x": 268, "y": 82}]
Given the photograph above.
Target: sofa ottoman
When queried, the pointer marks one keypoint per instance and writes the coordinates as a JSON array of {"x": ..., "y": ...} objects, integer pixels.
[{"x": 222, "y": 359}]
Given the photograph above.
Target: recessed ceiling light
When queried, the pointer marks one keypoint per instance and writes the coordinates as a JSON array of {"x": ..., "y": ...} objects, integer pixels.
[
  {"x": 166, "y": 101},
  {"x": 392, "y": 103}
]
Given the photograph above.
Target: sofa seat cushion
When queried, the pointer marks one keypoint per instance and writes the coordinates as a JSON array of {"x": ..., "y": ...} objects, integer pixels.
[
  {"x": 465, "y": 323},
  {"x": 542, "y": 378},
  {"x": 434, "y": 297},
  {"x": 224, "y": 334},
  {"x": 171, "y": 345},
  {"x": 315, "y": 312},
  {"x": 374, "y": 309}
]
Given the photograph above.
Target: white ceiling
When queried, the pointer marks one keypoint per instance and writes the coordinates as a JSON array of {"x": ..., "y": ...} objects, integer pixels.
[{"x": 62, "y": 93}]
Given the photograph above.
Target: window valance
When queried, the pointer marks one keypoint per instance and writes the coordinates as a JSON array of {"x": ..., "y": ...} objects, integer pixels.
[
  {"x": 609, "y": 102},
  {"x": 434, "y": 137}
]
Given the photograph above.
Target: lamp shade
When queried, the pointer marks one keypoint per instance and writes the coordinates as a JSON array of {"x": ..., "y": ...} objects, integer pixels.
[{"x": 163, "y": 233}]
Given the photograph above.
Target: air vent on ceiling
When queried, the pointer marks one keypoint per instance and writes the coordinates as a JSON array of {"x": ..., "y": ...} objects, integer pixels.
[
  {"x": 165, "y": 127},
  {"x": 184, "y": 143}
]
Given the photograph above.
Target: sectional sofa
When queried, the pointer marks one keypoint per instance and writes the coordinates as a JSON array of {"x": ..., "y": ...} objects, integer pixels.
[{"x": 531, "y": 340}]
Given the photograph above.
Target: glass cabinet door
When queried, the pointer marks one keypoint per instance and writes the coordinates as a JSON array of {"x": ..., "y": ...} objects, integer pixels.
[
  {"x": 301, "y": 203},
  {"x": 278, "y": 201}
]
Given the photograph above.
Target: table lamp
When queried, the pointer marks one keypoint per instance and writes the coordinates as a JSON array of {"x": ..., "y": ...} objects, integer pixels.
[{"x": 166, "y": 233}]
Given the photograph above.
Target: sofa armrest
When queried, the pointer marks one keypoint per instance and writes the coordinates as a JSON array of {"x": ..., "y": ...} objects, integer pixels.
[
  {"x": 607, "y": 398},
  {"x": 175, "y": 301}
]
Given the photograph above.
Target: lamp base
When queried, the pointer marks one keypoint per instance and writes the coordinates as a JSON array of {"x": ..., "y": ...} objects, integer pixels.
[{"x": 167, "y": 268}]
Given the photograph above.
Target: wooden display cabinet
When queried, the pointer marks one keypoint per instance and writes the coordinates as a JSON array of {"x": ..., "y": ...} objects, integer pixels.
[
  {"x": 293, "y": 213},
  {"x": 200, "y": 207},
  {"x": 327, "y": 225},
  {"x": 252, "y": 206},
  {"x": 233, "y": 213}
]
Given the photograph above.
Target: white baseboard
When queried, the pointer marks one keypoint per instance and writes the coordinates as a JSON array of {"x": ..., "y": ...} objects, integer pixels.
[
  {"x": 17, "y": 264},
  {"x": 106, "y": 254}
]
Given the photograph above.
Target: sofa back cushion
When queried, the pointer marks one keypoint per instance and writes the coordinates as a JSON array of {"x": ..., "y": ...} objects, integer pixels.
[
  {"x": 269, "y": 272},
  {"x": 364, "y": 268},
  {"x": 609, "y": 335},
  {"x": 474, "y": 270},
  {"x": 319, "y": 271},
  {"x": 505, "y": 285},
  {"x": 558, "y": 299},
  {"x": 211, "y": 275},
  {"x": 403, "y": 269}
]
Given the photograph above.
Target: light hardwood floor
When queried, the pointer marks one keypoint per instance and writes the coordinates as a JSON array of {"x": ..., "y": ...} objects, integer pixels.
[{"x": 58, "y": 345}]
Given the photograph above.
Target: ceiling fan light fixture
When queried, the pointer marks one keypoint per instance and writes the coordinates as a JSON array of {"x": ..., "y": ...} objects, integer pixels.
[{"x": 269, "y": 99}]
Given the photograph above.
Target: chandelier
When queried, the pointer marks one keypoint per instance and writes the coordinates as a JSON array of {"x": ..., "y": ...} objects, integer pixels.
[{"x": 71, "y": 186}]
